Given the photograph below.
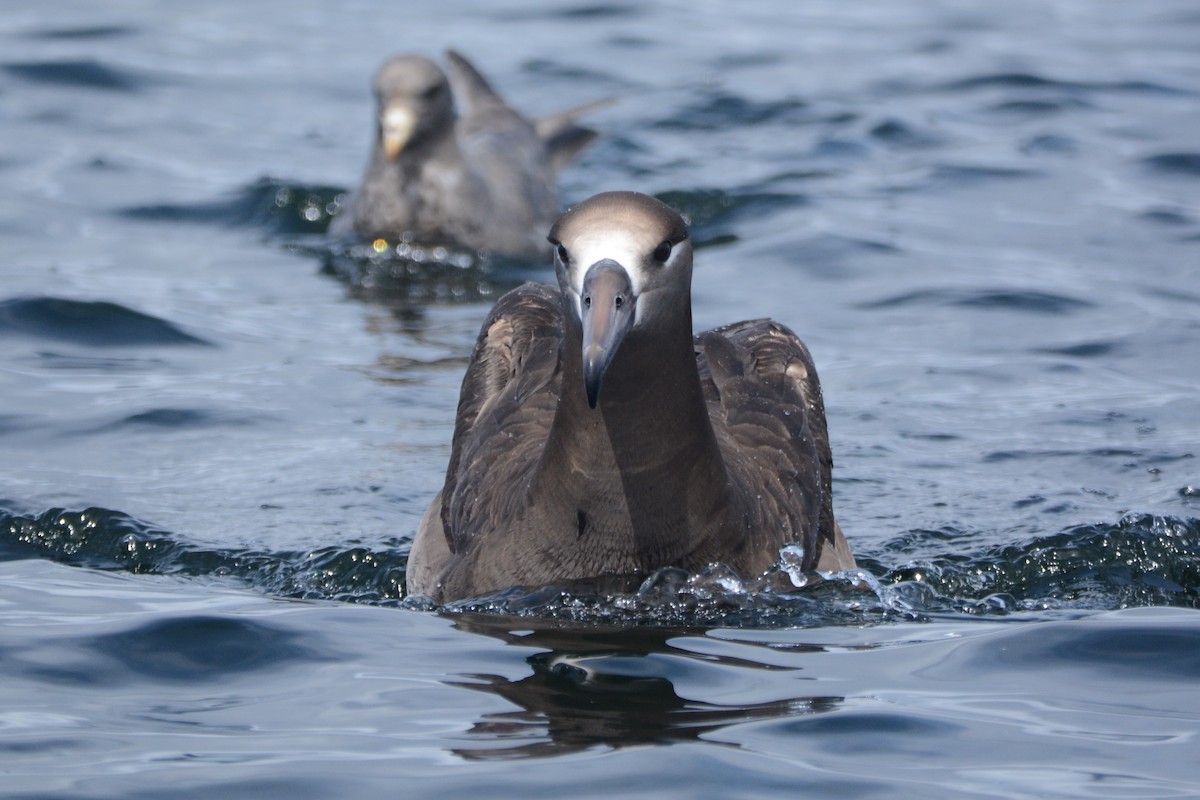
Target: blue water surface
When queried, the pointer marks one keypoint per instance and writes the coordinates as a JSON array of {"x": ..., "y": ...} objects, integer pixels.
[{"x": 219, "y": 429}]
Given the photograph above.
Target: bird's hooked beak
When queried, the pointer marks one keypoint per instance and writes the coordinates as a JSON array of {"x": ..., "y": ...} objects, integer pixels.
[
  {"x": 396, "y": 125},
  {"x": 606, "y": 306}
]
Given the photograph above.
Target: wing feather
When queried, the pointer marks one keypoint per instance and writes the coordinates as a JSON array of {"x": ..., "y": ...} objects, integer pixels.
[
  {"x": 766, "y": 405},
  {"x": 515, "y": 357}
]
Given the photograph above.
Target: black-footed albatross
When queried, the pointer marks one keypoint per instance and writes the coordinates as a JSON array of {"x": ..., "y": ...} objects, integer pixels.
[
  {"x": 596, "y": 436},
  {"x": 481, "y": 177}
]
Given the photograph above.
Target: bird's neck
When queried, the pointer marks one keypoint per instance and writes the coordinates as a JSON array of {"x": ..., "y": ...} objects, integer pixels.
[{"x": 646, "y": 458}]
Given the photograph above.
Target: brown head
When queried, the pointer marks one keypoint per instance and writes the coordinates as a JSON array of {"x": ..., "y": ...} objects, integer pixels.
[{"x": 624, "y": 263}]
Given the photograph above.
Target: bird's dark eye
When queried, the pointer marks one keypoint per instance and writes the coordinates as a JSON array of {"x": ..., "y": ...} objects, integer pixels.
[
  {"x": 662, "y": 252},
  {"x": 563, "y": 255},
  {"x": 432, "y": 91}
]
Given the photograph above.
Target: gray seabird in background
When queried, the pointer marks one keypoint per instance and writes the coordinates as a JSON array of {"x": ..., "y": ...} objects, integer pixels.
[
  {"x": 597, "y": 437},
  {"x": 453, "y": 164}
]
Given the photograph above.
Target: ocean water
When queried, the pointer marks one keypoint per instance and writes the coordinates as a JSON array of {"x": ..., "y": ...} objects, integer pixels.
[{"x": 219, "y": 429}]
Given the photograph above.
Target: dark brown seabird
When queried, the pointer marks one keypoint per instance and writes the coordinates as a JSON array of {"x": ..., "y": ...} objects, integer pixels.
[
  {"x": 453, "y": 164},
  {"x": 596, "y": 437}
]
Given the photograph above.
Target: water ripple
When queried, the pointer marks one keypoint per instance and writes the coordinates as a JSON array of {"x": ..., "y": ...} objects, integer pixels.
[
  {"x": 101, "y": 539},
  {"x": 953, "y": 176},
  {"x": 897, "y": 133},
  {"x": 1141, "y": 560},
  {"x": 181, "y": 650},
  {"x": 1050, "y": 144},
  {"x": 201, "y": 648},
  {"x": 711, "y": 213},
  {"x": 86, "y": 74},
  {"x": 165, "y": 419},
  {"x": 590, "y": 12},
  {"x": 1081, "y": 350},
  {"x": 90, "y": 323},
  {"x": 278, "y": 207},
  {"x": 1029, "y": 80},
  {"x": 725, "y": 110},
  {"x": 1039, "y": 107},
  {"x": 1171, "y": 217},
  {"x": 1183, "y": 163},
  {"x": 1029, "y": 300},
  {"x": 88, "y": 32}
]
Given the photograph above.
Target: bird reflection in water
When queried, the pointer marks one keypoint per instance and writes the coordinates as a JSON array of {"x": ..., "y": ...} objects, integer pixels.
[{"x": 605, "y": 688}]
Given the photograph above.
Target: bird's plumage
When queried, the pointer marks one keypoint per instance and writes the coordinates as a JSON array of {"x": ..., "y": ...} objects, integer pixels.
[
  {"x": 454, "y": 164},
  {"x": 702, "y": 449}
]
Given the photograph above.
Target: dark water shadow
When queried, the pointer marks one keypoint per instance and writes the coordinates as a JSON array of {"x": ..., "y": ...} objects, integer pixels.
[
  {"x": 714, "y": 215},
  {"x": 583, "y": 12},
  {"x": 1162, "y": 649},
  {"x": 200, "y": 648},
  {"x": 165, "y": 419},
  {"x": 1180, "y": 164},
  {"x": 83, "y": 32},
  {"x": 79, "y": 74},
  {"x": 606, "y": 687},
  {"x": 947, "y": 177},
  {"x": 722, "y": 110},
  {"x": 898, "y": 133},
  {"x": 183, "y": 651},
  {"x": 1032, "y": 82},
  {"x": 89, "y": 323},
  {"x": 1022, "y": 300}
]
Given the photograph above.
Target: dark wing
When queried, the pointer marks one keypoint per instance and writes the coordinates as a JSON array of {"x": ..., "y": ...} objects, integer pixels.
[
  {"x": 506, "y": 406},
  {"x": 765, "y": 402}
]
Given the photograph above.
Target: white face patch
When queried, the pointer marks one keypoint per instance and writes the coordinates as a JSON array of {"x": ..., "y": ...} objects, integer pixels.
[
  {"x": 620, "y": 245},
  {"x": 630, "y": 240}
]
